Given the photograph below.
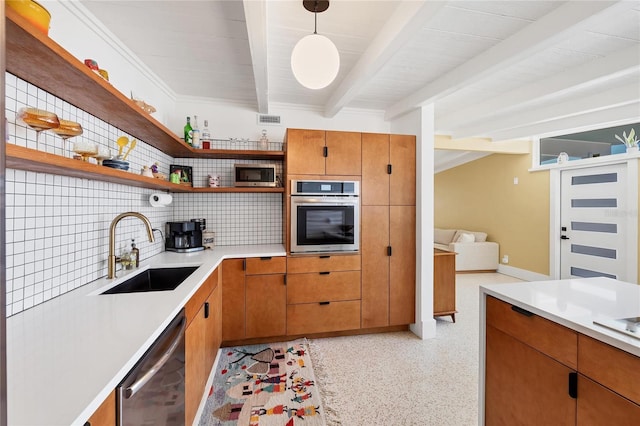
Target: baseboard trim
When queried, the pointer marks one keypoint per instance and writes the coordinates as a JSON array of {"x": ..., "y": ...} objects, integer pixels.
[
  {"x": 258, "y": 340},
  {"x": 522, "y": 274}
]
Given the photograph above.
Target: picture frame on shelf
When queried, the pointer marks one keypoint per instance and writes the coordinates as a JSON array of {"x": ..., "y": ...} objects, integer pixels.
[{"x": 184, "y": 173}]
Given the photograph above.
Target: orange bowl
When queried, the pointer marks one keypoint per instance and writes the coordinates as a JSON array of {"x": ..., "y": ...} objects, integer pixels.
[{"x": 32, "y": 12}]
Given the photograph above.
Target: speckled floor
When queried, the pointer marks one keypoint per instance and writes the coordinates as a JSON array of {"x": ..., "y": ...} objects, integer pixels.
[{"x": 397, "y": 379}]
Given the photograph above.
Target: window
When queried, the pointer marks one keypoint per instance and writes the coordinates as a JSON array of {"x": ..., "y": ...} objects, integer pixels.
[{"x": 593, "y": 143}]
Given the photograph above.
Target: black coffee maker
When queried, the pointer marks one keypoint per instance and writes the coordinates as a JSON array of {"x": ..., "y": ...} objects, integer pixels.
[{"x": 184, "y": 237}]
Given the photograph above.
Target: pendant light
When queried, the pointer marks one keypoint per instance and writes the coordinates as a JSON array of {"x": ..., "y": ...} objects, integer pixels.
[{"x": 315, "y": 60}]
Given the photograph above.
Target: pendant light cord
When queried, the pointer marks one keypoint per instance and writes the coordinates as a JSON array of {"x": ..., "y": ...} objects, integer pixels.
[{"x": 315, "y": 19}]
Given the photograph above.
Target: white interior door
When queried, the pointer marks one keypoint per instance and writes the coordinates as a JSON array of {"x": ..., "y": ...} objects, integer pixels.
[{"x": 593, "y": 218}]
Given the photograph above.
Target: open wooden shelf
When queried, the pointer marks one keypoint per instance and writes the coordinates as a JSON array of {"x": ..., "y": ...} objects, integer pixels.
[
  {"x": 21, "y": 158},
  {"x": 36, "y": 58}
]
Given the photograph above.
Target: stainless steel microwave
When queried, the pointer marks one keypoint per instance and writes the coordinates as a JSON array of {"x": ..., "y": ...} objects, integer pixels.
[{"x": 255, "y": 175}]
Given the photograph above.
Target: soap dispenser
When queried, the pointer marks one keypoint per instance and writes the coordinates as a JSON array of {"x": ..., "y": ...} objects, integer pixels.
[{"x": 135, "y": 254}]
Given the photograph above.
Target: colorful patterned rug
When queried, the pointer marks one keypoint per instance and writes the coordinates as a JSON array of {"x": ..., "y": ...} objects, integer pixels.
[{"x": 264, "y": 385}]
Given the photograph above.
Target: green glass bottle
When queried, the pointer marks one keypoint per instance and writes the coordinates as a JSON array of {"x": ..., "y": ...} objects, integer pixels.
[{"x": 188, "y": 131}]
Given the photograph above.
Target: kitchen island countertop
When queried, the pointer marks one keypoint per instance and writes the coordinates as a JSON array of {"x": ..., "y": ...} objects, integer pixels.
[
  {"x": 576, "y": 304},
  {"x": 65, "y": 356}
]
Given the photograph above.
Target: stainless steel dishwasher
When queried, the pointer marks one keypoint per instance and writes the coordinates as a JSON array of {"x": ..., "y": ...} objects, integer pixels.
[{"x": 153, "y": 391}]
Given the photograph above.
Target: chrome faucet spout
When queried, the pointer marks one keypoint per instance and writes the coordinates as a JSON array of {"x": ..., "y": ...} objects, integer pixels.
[{"x": 112, "y": 238}]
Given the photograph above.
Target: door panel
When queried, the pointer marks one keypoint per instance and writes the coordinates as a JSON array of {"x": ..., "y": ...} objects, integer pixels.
[
  {"x": 375, "y": 266},
  {"x": 344, "y": 151},
  {"x": 593, "y": 217},
  {"x": 402, "y": 265},
  {"x": 402, "y": 155},
  {"x": 266, "y": 306},
  {"x": 233, "y": 295},
  {"x": 375, "y": 179},
  {"x": 305, "y": 152}
]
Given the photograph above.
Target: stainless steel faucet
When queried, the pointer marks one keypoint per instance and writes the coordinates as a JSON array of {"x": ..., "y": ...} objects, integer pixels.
[{"x": 112, "y": 238}]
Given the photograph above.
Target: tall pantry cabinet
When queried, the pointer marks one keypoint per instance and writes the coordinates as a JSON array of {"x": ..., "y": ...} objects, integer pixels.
[{"x": 388, "y": 223}]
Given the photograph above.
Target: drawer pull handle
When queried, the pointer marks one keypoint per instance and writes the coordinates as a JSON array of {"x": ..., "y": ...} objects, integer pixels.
[
  {"x": 521, "y": 311},
  {"x": 265, "y": 258},
  {"x": 325, "y": 257},
  {"x": 206, "y": 309},
  {"x": 324, "y": 273},
  {"x": 573, "y": 385},
  {"x": 324, "y": 303}
]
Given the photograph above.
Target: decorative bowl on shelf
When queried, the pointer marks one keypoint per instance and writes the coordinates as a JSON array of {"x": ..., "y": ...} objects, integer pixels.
[
  {"x": 85, "y": 149},
  {"x": 116, "y": 164},
  {"x": 33, "y": 12}
]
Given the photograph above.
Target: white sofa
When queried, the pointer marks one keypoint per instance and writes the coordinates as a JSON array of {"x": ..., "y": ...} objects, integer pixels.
[{"x": 474, "y": 252}]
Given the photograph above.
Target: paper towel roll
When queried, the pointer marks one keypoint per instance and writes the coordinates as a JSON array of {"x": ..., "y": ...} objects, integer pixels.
[{"x": 160, "y": 200}]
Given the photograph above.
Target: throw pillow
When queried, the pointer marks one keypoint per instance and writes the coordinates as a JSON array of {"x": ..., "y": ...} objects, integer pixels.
[{"x": 466, "y": 238}]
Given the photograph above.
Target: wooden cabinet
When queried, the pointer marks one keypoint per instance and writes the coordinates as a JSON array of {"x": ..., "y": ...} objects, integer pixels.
[
  {"x": 233, "y": 299},
  {"x": 320, "y": 152},
  {"x": 444, "y": 283},
  {"x": 388, "y": 170},
  {"x": 540, "y": 372},
  {"x": 202, "y": 341},
  {"x": 105, "y": 415},
  {"x": 388, "y": 224},
  {"x": 254, "y": 298},
  {"x": 524, "y": 386},
  {"x": 323, "y": 294}
]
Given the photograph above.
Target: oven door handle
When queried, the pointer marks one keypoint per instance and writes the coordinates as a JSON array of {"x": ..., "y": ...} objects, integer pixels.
[
  {"x": 324, "y": 201},
  {"x": 139, "y": 384}
]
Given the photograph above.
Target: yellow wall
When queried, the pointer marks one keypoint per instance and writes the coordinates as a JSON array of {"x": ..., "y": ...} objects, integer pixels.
[{"x": 481, "y": 196}]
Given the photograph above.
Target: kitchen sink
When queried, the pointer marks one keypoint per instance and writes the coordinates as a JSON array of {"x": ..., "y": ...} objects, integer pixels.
[{"x": 153, "y": 279}]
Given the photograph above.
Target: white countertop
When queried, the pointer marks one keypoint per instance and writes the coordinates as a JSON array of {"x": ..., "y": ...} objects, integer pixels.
[
  {"x": 65, "y": 356},
  {"x": 576, "y": 303}
]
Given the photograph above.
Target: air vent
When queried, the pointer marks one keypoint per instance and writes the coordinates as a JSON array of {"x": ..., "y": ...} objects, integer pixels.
[{"x": 269, "y": 120}]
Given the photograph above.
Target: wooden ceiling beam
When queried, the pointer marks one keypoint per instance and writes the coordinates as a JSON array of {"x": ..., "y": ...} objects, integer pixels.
[
  {"x": 574, "y": 107},
  {"x": 519, "y": 146},
  {"x": 255, "y": 12},
  {"x": 602, "y": 70},
  {"x": 407, "y": 20},
  {"x": 568, "y": 18}
]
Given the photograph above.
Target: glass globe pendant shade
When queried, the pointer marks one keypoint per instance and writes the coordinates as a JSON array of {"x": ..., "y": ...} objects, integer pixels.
[{"x": 315, "y": 61}]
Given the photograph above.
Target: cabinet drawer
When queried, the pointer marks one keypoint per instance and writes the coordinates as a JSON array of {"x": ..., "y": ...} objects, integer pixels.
[
  {"x": 546, "y": 336},
  {"x": 322, "y": 263},
  {"x": 266, "y": 265},
  {"x": 321, "y": 287},
  {"x": 316, "y": 318},
  {"x": 197, "y": 300},
  {"x": 614, "y": 368}
]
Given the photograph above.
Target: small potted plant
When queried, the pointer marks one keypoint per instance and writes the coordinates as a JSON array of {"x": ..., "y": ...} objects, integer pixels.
[{"x": 630, "y": 141}]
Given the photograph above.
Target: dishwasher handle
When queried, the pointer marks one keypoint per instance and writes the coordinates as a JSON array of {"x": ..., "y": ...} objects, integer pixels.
[{"x": 139, "y": 384}]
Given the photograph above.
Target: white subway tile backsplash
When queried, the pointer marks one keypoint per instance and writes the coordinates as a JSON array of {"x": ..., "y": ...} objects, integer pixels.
[{"x": 57, "y": 226}]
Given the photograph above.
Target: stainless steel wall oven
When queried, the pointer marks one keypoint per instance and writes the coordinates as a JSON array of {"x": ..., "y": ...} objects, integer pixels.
[{"x": 325, "y": 216}]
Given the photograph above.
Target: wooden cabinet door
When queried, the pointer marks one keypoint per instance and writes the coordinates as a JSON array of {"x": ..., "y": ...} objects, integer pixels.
[
  {"x": 523, "y": 386},
  {"x": 402, "y": 264},
  {"x": 214, "y": 328},
  {"x": 266, "y": 308},
  {"x": 374, "y": 224},
  {"x": 343, "y": 153},
  {"x": 444, "y": 284},
  {"x": 195, "y": 359},
  {"x": 305, "y": 152},
  {"x": 375, "y": 176},
  {"x": 598, "y": 406},
  {"x": 233, "y": 299},
  {"x": 402, "y": 156},
  {"x": 105, "y": 415}
]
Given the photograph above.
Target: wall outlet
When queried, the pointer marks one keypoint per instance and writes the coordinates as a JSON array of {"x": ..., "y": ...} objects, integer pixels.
[{"x": 505, "y": 259}]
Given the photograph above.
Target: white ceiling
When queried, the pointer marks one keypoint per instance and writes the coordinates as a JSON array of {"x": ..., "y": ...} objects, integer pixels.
[{"x": 494, "y": 69}]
